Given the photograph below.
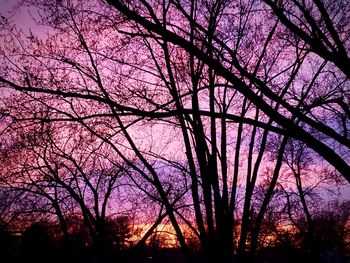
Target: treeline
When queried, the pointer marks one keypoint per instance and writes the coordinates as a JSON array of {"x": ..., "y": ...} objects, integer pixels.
[{"x": 44, "y": 241}]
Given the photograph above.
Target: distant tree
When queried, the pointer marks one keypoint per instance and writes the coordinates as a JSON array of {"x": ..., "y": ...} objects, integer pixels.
[
  {"x": 331, "y": 231},
  {"x": 67, "y": 180},
  {"x": 120, "y": 232},
  {"x": 7, "y": 246},
  {"x": 37, "y": 245}
]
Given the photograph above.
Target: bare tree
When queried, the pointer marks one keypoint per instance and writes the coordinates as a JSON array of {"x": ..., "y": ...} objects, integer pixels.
[{"x": 220, "y": 77}]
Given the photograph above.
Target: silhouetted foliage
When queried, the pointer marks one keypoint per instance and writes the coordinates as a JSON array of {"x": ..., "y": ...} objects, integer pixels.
[{"x": 36, "y": 245}]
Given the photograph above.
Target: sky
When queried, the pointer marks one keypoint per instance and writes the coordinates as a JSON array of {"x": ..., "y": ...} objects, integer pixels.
[
  {"x": 6, "y": 5},
  {"x": 23, "y": 18},
  {"x": 20, "y": 16}
]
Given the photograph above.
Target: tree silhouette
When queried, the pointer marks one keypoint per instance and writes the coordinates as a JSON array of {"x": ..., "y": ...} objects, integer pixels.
[
  {"x": 36, "y": 245},
  {"x": 202, "y": 101}
]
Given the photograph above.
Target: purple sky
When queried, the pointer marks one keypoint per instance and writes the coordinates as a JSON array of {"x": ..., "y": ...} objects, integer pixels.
[{"x": 22, "y": 17}]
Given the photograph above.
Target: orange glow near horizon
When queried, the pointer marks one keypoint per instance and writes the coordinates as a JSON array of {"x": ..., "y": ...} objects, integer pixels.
[{"x": 165, "y": 235}]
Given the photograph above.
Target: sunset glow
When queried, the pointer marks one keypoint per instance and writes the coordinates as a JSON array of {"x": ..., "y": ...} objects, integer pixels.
[{"x": 174, "y": 131}]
